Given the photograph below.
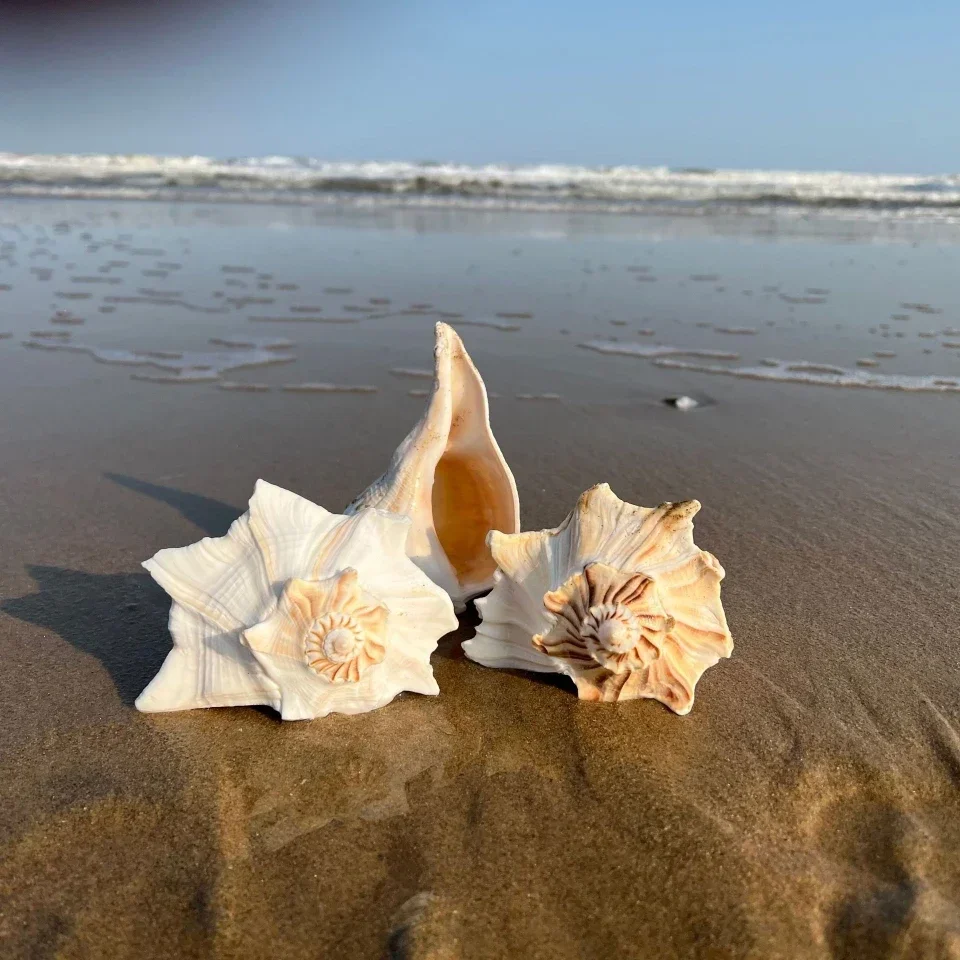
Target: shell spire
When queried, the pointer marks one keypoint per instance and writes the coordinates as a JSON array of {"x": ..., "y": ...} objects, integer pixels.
[
  {"x": 618, "y": 598},
  {"x": 450, "y": 478}
]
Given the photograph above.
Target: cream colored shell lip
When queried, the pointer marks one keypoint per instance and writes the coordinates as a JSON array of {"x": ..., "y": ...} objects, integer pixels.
[
  {"x": 300, "y": 609},
  {"x": 450, "y": 477},
  {"x": 618, "y": 598}
]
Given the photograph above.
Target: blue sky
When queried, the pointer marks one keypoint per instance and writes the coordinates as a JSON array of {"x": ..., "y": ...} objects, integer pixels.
[{"x": 741, "y": 83}]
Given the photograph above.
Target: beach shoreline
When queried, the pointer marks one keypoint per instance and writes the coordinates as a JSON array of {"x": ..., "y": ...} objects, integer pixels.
[{"x": 808, "y": 805}]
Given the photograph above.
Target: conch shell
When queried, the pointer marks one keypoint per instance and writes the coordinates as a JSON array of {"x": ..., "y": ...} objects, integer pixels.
[
  {"x": 303, "y": 610},
  {"x": 451, "y": 479},
  {"x": 618, "y": 598}
]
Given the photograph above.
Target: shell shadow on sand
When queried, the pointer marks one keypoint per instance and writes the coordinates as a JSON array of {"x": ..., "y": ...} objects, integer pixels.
[
  {"x": 119, "y": 618},
  {"x": 213, "y": 517}
]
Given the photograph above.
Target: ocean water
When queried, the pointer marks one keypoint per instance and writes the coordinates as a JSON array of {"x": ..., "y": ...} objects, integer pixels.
[
  {"x": 560, "y": 305},
  {"x": 544, "y": 187}
]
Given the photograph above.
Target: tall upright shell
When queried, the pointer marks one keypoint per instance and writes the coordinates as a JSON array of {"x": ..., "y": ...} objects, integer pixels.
[
  {"x": 451, "y": 479},
  {"x": 300, "y": 609},
  {"x": 618, "y": 598}
]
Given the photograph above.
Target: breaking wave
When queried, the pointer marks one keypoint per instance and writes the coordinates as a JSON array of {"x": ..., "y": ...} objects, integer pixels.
[{"x": 541, "y": 187}]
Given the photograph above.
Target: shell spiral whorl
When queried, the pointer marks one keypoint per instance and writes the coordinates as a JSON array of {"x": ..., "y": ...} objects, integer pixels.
[
  {"x": 618, "y": 598},
  {"x": 606, "y": 619},
  {"x": 334, "y": 636},
  {"x": 346, "y": 632},
  {"x": 611, "y": 631}
]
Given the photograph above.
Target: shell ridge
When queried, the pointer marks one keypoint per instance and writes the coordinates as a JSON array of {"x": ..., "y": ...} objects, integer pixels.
[
  {"x": 250, "y": 616},
  {"x": 455, "y": 422},
  {"x": 618, "y": 597},
  {"x": 177, "y": 570},
  {"x": 203, "y": 670},
  {"x": 278, "y": 521},
  {"x": 399, "y": 486}
]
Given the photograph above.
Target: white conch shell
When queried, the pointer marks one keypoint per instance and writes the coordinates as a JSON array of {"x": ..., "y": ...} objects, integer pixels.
[
  {"x": 451, "y": 479},
  {"x": 618, "y": 597},
  {"x": 301, "y": 609}
]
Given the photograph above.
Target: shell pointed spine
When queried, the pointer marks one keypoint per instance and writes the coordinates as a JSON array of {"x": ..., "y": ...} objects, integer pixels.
[
  {"x": 299, "y": 609},
  {"x": 618, "y": 597},
  {"x": 450, "y": 477}
]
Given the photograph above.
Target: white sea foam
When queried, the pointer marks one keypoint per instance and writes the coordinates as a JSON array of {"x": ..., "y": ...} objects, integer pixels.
[
  {"x": 543, "y": 186},
  {"x": 327, "y": 388},
  {"x": 483, "y": 322},
  {"x": 786, "y": 371},
  {"x": 253, "y": 343},
  {"x": 654, "y": 350},
  {"x": 195, "y": 367},
  {"x": 236, "y": 386}
]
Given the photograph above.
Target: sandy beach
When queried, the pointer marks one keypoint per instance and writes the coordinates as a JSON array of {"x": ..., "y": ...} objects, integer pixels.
[{"x": 808, "y": 807}]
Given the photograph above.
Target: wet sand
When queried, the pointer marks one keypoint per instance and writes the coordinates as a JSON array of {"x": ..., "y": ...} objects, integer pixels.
[{"x": 807, "y": 807}]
